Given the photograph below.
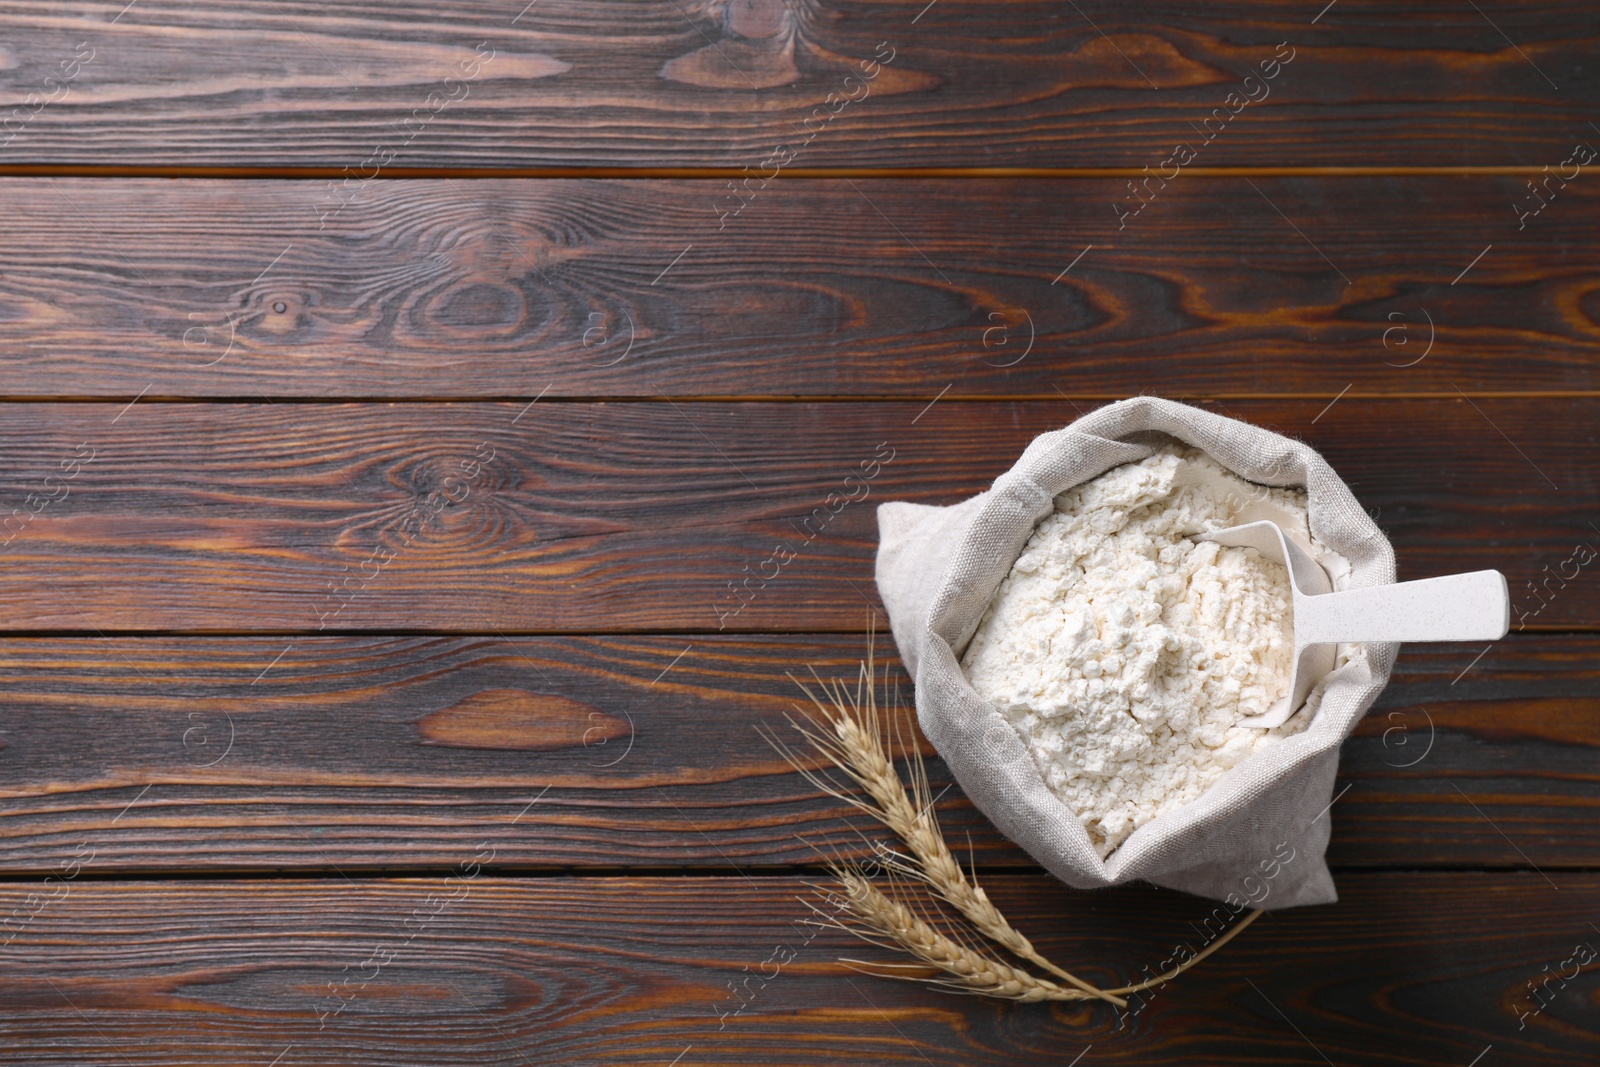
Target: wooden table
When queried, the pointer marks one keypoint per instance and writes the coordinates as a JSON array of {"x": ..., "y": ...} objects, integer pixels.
[{"x": 396, "y": 397}]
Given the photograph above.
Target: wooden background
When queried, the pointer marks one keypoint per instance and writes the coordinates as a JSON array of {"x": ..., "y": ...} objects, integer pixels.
[{"x": 284, "y": 283}]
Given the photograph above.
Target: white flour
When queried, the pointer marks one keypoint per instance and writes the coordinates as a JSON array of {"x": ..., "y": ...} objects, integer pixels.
[{"x": 1124, "y": 652}]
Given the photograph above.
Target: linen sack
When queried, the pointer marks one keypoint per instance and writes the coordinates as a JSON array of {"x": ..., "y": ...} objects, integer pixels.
[{"x": 938, "y": 568}]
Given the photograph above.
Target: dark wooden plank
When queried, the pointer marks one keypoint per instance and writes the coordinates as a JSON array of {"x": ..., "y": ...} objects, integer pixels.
[
  {"x": 1407, "y": 969},
  {"x": 707, "y": 82},
  {"x": 827, "y": 288},
  {"x": 1471, "y": 761},
  {"x": 597, "y": 517},
  {"x": 245, "y": 754}
]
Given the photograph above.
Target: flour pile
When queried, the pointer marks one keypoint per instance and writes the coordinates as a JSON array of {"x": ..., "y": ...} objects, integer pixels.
[{"x": 1124, "y": 652}]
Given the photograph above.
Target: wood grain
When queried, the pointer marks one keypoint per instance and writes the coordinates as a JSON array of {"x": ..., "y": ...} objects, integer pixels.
[
  {"x": 1410, "y": 969},
  {"x": 601, "y": 517},
  {"x": 816, "y": 288},
  {"x": 365, "y": 85},
  {"x": 251, "y": 631},
  {"x": 248, "y": 754}
]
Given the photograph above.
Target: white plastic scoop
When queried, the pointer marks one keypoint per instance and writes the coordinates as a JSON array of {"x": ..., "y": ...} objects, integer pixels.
[{"x": 1456, "y": 607}]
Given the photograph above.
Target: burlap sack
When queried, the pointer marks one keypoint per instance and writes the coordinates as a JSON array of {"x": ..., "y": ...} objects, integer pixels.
[{"x": 937, "y": 569}]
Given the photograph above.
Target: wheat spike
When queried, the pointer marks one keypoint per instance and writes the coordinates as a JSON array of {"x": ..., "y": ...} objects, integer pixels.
[
  {"x": 890, "y": 920},
  {"x": 857, "y": 749},
  {"x": 847, "y": 730}
]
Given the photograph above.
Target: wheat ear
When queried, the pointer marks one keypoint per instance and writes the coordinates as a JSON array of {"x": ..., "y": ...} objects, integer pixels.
[
  {"x": 856, "y": 748},
  {"x": 883, "y": 920},
  {"x": 847, "y": 731}
]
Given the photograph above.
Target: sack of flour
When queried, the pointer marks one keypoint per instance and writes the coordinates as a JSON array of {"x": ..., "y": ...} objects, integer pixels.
[{"x": 1258, "y": 833}]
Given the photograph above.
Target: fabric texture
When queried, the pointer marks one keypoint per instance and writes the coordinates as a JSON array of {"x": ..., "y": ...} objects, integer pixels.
[{"x": 937, "y": 569}]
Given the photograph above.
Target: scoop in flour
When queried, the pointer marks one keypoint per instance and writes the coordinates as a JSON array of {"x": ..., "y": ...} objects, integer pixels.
[{"x": 1125, "y": 653}]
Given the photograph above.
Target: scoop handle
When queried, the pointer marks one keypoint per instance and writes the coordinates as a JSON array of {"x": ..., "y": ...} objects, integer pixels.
[{"x": 1475, "y": 606}]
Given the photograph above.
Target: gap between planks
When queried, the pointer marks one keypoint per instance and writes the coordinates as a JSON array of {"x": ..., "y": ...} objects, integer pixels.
[
  {"x": 375, "y": 875},
  {"x": 76, "y": 170},
  {"x": 1560, "y": 629},
  {"x": 946, "y": 397}
]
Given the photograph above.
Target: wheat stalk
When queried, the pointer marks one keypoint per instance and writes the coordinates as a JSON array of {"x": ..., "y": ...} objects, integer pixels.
[{"x": 847, "y": 731}]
